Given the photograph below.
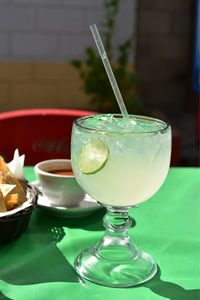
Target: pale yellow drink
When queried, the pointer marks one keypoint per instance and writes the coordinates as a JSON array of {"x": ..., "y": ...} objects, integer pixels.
[{"x": 137, "y": 163}]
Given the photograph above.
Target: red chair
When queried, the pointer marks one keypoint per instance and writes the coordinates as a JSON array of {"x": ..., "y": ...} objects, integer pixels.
[{"x": 40, "y": 134}]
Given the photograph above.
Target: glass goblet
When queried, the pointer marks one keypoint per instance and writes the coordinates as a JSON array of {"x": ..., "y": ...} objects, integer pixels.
[{"x": 120, "y": 167}]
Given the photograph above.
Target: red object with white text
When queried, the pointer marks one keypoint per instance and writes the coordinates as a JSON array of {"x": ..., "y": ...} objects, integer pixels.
[{"x": 40, "y": 134}]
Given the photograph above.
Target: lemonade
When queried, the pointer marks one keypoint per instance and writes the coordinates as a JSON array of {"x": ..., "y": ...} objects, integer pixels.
[{"x": 120, "y": 165}]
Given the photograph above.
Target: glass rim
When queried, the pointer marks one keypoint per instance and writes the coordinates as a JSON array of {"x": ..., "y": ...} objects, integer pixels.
[{"x": 85, "y": 128}]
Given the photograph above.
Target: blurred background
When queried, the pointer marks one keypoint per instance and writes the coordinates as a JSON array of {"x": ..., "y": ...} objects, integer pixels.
[{"x": 48, "y": 59}]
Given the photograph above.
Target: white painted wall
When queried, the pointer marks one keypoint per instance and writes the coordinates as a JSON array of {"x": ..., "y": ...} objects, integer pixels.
[{"x": 56, "y": 30}]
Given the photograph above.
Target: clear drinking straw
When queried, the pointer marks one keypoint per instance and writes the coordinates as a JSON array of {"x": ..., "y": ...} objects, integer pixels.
[{"x": 109, "y": 72}]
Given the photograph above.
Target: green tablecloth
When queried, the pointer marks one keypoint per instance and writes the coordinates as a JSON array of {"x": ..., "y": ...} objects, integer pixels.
[{"x": 39, "y": 265}]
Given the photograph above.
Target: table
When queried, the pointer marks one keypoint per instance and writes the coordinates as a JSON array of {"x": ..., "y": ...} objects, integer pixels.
[{"x": 39, "y": 265}]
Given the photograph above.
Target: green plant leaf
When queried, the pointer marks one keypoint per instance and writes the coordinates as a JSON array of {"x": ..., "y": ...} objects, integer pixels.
[
  {"x": 93, "y": 75},
  {"x": 76, "y": 63}
]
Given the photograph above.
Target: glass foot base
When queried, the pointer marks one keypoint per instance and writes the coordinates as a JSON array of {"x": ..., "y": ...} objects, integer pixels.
[{"x": 117, "y": 273}]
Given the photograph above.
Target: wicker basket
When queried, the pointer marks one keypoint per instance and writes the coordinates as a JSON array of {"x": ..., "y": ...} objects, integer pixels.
[{"x": 12, "y": 226}]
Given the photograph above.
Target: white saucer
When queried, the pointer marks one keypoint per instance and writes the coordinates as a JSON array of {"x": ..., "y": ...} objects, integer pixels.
[{"x": 86, "y": 207}]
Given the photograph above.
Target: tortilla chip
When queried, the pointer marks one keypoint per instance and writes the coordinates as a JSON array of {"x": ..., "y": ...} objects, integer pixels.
[
  {"x": 23, "y": 184},
  {"x": 12, "y": 192},
  {"x": 6, "y": 177},
  {"x": 6, "y": 188},
  {"x": 10, "y": 179},
  {"x": 3, "y": 165},
  {"x": 11, "y": 201},
  {"x": 2, "y": 204}
]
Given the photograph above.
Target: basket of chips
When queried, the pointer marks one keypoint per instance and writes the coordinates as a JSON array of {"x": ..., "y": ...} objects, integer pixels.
[{"x": 17, "y": 199}]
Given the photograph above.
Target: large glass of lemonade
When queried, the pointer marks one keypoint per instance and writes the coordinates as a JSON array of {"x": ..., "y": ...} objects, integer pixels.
[
  {"x": 136, "y": 161},
  {"x": 120, "y": 166}
]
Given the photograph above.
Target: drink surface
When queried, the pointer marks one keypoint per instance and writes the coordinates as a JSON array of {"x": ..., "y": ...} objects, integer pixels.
[
  {"x": 137, "y": 163},
  {"x": 64, "y": 172}
]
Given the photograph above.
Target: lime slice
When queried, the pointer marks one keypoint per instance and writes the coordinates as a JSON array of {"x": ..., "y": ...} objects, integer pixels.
[{"x": 93, "y": 156}]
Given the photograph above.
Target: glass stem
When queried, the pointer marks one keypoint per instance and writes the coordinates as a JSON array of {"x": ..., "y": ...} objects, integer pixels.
[
  {"x": 116, "y": 243},
  {"x": 117, "y": 221}
]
